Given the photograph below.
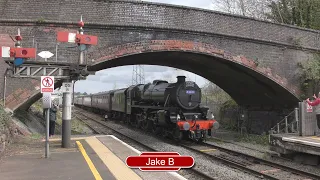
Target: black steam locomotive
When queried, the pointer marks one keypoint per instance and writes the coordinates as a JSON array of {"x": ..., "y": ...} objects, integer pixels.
[{"x": 171, "y": 109}]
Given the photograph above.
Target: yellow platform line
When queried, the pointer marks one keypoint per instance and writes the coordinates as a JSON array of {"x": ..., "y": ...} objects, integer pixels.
[
  {"x": 315, "y": 137},
  {"x": 207, "y": 150},
  {"x": 89, "y": 162},
  {"x": 59, "y": 139},
  {"x": 118, "y": 168}
]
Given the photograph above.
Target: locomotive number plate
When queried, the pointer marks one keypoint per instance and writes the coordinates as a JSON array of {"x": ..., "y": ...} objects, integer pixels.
[
  {"x": 190, "y": 92},
  {"x": 189, "y": 84}
]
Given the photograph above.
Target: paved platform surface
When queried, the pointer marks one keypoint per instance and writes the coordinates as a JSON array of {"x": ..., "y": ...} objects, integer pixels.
[
  {"x": 123, "y": 150},
  {"x": 308, "y": 140},
  {"x": 62, "y": 164},
  {"x": 93, "y": 157}
]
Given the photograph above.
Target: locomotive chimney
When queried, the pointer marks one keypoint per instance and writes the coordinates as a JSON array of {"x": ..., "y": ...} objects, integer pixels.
[{"x": 181, "y": 79}]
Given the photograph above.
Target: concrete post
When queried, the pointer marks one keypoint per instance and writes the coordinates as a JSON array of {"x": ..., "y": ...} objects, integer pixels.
[
  {"x": 296, "y": 115},
  {"x": 47, "y": 133},
  {"x": 301, "y": 118},
  {"x": 286, "y": 123},
  {"x": 66, "y": 118},
  {"x": 5, "y": 89},
  {"x": 278, "y": 128}
]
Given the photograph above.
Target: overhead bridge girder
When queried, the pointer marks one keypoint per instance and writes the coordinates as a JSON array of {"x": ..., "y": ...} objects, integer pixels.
[
  {"x": 36, "y": 71},
  {"x": 58, "y": 70}
]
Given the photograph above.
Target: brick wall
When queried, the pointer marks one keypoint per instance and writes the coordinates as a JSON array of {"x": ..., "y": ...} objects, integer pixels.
[
  {"x": 19, "y": 90},
  {"x": 124, "y": 13}
]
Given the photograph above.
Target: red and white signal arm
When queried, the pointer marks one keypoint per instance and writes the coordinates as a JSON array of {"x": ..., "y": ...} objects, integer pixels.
[
  {"x": 309, "y": 108},
  {"x": 18, "y": 52},
  {"x": 77, "y": 38},
  {"x": 47, "y": 84}
]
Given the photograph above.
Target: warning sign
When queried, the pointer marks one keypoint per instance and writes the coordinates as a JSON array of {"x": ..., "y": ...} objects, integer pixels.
[
  {"x": 47, "y": 84},
  {"x": 309, "y": 108}
]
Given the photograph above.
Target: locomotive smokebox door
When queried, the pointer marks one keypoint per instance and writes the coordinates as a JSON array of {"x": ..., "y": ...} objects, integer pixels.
[{"x": 188, "y": 94}]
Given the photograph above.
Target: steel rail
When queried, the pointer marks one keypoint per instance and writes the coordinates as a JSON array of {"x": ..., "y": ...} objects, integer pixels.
[
  {"x": 231, "y": 163},
  {"x": 266, "y": 162}
]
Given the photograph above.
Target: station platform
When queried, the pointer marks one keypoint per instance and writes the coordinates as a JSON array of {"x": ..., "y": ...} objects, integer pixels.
[
  {"x": 288, "y": 143},
  {"x": 304, "y": 149},
  {"x": 92, "y": 157}
]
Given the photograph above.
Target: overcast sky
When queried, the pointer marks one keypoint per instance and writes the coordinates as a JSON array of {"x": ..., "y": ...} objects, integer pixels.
[{"x": 121, "y": 77}]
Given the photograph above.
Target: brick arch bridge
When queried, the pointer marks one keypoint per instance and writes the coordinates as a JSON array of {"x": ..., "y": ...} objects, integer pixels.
[
  {"x": 127, "y": 26},
  {"x": 251, "y": 86}
]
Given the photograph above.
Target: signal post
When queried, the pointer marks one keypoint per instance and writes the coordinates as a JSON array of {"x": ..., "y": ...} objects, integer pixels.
[
  {"x": 22, "y": 67},
  {"x": 84, "y": 42},
  {"x": 18, "y": 54}
]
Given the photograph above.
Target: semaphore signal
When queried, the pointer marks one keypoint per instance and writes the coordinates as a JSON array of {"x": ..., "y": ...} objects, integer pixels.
[{"x": 18, "y": 53}]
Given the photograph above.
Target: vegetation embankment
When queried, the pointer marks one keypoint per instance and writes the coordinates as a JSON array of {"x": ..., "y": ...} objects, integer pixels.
[
  {"x": 77, "y": 127},
  {"x": 7, "y": 130},
  {"x": 221, "y": 104}
]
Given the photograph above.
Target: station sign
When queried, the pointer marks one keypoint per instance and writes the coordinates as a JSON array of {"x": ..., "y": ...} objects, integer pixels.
[
  {"x": 160, "y": 161},
  {"x": 47, "y": 84}
]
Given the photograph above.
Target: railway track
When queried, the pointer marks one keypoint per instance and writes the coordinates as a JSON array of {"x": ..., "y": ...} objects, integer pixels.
[
  {"x": 96, "y": 130},
  {"x": 250, "y": 164},
  {"x": 264, "y": 161},
  {"x": 271, "y": 154}
]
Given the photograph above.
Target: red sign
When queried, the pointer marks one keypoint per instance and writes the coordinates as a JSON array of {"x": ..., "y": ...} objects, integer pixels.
[
  {"x": 47, "y": 84},
  {"x": 63, "y": 36},
  {"x": 160, "y": 161},
  {"x": 23, "y": 52},
  {"x": 309, "y": 108},
  {"x": 86, "y": 39}
]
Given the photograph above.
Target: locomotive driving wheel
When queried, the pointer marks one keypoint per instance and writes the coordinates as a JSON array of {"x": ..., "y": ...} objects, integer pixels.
[
  {"x": 177, "y": 134},
  {"x": 146, "y": 123},
  {"x": 128, "y": 118},
  {"x": 137, "y": 122},
  {"x": 156, "y": 129}
]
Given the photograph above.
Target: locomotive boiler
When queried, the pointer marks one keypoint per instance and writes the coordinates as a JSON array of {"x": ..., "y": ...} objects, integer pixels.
[{"x": 183, "y": 94}]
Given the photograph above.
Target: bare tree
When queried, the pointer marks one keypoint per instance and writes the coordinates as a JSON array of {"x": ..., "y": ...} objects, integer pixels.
[
  {"x": 214, "y": 97},
  {"x": 172, "y": 75},
  {"x": 251, "y": 8}
]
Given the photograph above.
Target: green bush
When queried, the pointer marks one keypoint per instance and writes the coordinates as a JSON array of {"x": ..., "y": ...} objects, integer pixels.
[
  {"x": 310, "y": 76},
  {"x": 254, "y": 139},
  {"x": 4, "y": 119}
]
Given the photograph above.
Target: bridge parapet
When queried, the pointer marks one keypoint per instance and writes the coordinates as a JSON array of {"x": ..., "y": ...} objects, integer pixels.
[{"x": 163, "y": 16}]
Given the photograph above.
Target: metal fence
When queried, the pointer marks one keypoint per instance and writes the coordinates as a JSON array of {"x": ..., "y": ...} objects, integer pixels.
[{"x": 289, "y": 124}]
